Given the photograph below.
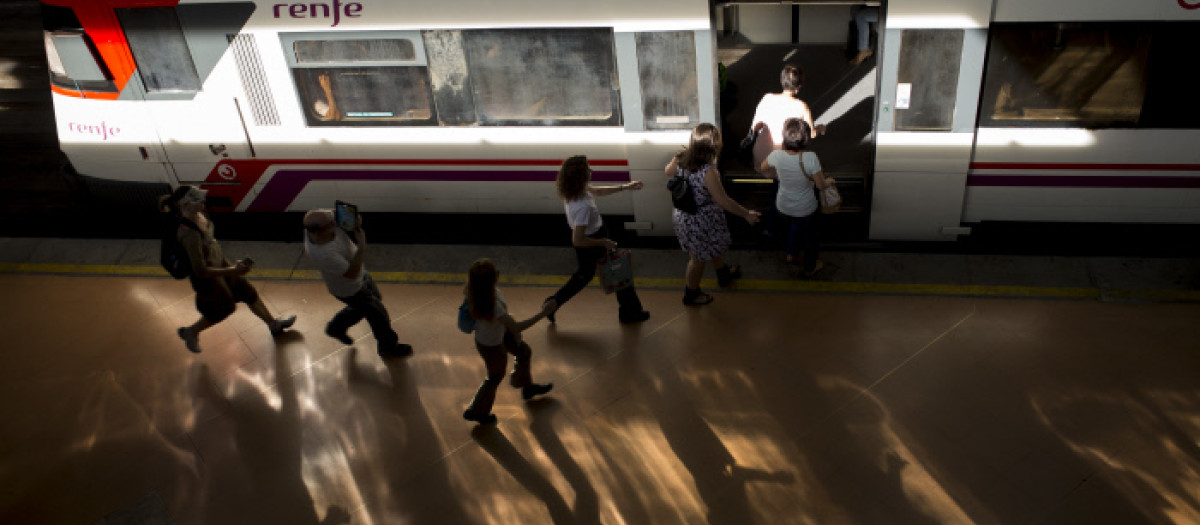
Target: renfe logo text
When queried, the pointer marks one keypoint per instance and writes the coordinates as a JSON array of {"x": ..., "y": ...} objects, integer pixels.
[
  {"x": 320, "y": 10},
  {"x": 102, "y": 130}
]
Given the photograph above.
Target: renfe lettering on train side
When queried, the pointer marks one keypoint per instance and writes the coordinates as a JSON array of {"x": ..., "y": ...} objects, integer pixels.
[
  {"x": 320, "y": 10},
  {"x": 102, "y": 130}
]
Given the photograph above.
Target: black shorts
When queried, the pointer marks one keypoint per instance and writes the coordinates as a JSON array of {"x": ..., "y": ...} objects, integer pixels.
[{"x": 217, "y": 297}]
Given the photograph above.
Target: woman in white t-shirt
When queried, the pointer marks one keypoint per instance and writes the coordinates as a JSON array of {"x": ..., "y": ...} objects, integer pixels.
[
  {"x": 798, "y": 170},
  {"x": 496, "y": 336},
  {"x": 774, "y": 108},
  {"x": 589, "y": 235}
]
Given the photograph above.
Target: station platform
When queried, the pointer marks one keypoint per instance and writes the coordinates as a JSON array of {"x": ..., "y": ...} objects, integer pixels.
[{"x": 893, "y": 388}]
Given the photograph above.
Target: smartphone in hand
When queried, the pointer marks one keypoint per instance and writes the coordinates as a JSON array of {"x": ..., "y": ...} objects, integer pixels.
[{"x": 345, "y": 215}]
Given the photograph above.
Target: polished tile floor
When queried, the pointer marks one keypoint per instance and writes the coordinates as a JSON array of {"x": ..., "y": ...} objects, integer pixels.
[{"x": 762, "y": 408}]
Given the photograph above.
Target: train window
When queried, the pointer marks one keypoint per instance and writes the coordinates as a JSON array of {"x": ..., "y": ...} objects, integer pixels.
[
  {"x": 71, "y": 56},
  {"x": 364, "y": 95},
  {"x": 159, "y": 49},
  {"x": 667, "y": 70},
  {"x": 1088, "y": 75},
  {"x": 73, "y": 64},
  {"x": 450, "y": 77},
  {"x": 361, "y": 79},
  {"x": 373, "y": 50},
  {"x": 1170, "y": 90},
  {"x": 544, "y": 77},
  {"x": 929, "y": 60}
]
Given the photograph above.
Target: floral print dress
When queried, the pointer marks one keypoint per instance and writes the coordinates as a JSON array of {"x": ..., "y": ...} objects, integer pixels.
[{"x": 704, "y": 235}]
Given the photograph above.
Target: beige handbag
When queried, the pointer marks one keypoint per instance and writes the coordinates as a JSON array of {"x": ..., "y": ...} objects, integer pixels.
[{"x": 829, "y": 198}]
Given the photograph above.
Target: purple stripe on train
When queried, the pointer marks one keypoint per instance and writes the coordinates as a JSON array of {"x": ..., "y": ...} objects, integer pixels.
[
  {"x": 286, "y": 184},
  {"x": 1067, "y": 181}
]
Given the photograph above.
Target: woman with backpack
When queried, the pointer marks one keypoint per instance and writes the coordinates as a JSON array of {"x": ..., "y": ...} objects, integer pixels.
[
  {"x": 496, "y": 336},
  {"x": 218, "y": 283},
  {"x": 704, "y": 234}
]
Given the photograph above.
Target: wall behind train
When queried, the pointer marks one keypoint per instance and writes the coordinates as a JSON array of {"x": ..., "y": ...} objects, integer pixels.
[{"x": 31, "y": 179}]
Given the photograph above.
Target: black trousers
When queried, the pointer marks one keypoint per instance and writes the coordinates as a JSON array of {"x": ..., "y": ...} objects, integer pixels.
[
  {"x": 628, "y": 300},
  {"x": 366, "y": 303},
  {"x": 804, "y": 233}
]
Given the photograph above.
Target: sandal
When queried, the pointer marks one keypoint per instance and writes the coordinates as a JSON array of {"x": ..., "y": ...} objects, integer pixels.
[
  {"x": 726, "y": 274},
  {"x": 816, "y": 268},
  {"x": 696, "y": 297}
]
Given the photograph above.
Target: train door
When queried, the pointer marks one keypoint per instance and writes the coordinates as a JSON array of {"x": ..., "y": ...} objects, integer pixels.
[
  {"x": 931, "y": 66},
  {"x": 194, "y": 109},
  {"x": 756, "y": 39}
]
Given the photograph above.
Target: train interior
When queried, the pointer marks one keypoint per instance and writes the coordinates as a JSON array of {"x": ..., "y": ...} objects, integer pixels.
[{"x": 755, "y": 39}]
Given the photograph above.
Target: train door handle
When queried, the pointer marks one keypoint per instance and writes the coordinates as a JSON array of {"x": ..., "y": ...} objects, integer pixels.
[{"x": 218, "y": 149}]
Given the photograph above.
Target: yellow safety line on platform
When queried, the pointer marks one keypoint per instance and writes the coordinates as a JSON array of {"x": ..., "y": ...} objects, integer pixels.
[{"x": 755, "y": 285}]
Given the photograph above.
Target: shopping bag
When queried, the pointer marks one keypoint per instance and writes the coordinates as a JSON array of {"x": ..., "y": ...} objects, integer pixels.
[{"x": 616, "y": 271}]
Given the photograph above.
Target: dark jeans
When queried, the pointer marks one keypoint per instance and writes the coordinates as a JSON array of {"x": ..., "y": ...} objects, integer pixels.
[
  {"x": 495, "y": 358},
  {"x": 863, "y": 17},
  {"x": 807, "y": 230},
  {"x": 628, "y": 300},
  {"x": 366, "y": 303}
]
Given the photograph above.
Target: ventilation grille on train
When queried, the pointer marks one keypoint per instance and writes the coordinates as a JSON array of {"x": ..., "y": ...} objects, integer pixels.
[{"x": 254, "y": 80}]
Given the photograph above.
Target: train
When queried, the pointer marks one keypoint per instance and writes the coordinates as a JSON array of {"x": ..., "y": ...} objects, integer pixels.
[{"x": 967, "y": 111}]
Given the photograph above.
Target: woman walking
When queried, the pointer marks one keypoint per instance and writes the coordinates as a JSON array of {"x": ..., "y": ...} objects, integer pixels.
[
  {"x": 219, "y": 284},
  {"x": 798, "y": 170},
  {"x": 496, "y": 336},
  {"x": 589, "y": 236},
  {"x": 704, "y": 235}
]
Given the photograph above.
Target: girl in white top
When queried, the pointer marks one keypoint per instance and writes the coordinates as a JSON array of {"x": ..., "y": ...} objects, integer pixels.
[
  {"x": 798, "y": 170},
  {"x": 774, "y": 108},
  {"x": 589, "y": 236},
  {"x": 496, "y": 336}
]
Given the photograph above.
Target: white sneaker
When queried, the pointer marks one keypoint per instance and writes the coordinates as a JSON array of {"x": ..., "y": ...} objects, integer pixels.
[
  {"x": 190, "y": 339},
  {"x": 280, "y": 324}
]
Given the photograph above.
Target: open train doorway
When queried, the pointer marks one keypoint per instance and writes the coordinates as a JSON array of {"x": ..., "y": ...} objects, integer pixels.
[{"x": 755, "y": 40}]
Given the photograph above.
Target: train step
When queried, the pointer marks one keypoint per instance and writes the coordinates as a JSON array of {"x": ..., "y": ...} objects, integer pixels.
[{"x": 758, "y": 192}]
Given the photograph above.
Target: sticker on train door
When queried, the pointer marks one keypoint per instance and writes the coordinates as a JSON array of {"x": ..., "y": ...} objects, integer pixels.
[{"x": 903, "y": 95}]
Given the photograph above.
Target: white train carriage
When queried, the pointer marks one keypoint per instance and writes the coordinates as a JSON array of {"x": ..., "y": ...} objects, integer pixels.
[{"x": 980, "y": 110}]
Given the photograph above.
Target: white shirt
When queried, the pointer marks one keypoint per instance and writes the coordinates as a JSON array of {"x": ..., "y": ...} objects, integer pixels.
[
  {"x": 795, "y": 197},
  {"x": 491, "y": 333},
  {"x": 333, "y": 261},
  {"x": 583, "y": 212},
  {"x": 774, "y": 109}
]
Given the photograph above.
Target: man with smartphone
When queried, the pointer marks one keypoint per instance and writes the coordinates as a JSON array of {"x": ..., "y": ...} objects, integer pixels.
[{"x": 340, "y": 261}]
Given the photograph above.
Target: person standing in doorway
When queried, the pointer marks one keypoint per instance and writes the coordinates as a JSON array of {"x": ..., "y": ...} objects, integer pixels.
[
  {"x": 340, "y": 262},
  {"x": 218, "y": 283},
  {"x": 864, "y": 16},
  {"x": 774, "y": 108}
]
